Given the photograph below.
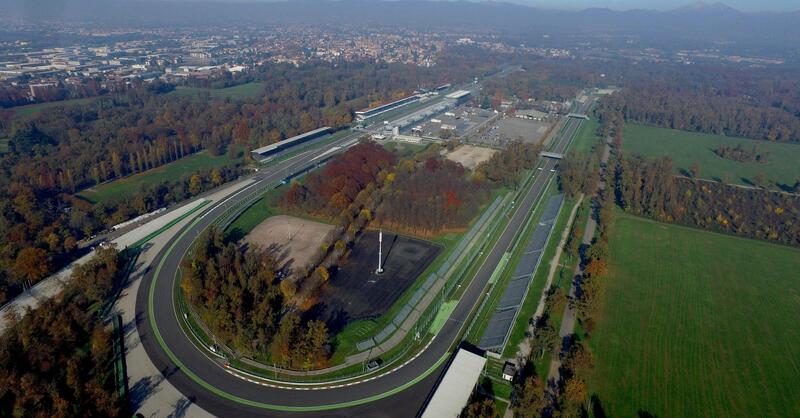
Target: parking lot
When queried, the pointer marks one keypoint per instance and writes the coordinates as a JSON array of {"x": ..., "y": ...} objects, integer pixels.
[{"x": 508, "y": 129}]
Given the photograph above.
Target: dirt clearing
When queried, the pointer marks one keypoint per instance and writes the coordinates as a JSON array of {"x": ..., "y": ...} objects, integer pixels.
[
  {"x": 470, "y": 156},
  {"x": 296, "y": 240}
]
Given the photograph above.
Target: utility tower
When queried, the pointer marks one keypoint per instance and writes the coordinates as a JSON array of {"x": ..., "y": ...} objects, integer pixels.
[{"x": 380, "y": 253}]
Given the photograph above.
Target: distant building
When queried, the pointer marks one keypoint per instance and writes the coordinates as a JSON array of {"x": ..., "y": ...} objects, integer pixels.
[
  {"x": 264, "y": 153},
  {"x": 368, "y": 113},
  {"x": 40, "y": 89},
  {"x": 459, "y": 96},
  {"x": 531, "y": 114}
]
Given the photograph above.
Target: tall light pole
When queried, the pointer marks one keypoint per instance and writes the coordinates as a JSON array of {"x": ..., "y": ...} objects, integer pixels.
[{"x": 380, "y": 253}]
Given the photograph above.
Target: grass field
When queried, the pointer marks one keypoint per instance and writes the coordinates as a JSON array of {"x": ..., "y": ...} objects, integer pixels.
[
  {"x": 3, "y": 145},
  {"x": 697, "y": 324},
  {"x": 686, "y": 148},
  {"x": 118, "y": 189},
  {"x": 32, "y": 109},
  {"x": 587, "y": 137},
  {"x": 242, "y": 91}
]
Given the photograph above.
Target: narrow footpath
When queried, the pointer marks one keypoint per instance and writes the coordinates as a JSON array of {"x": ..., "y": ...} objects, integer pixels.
[{"x": 569, "y": 317}]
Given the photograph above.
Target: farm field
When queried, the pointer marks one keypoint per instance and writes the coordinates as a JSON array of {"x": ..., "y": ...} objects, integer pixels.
[
  {"x": 686, "y": 148},
  {"x": 242, "y": 91},
  {"x": 32, "y": 109},
  {"x": 118, "y": 189},
  {"x": 697, "y": 324}
]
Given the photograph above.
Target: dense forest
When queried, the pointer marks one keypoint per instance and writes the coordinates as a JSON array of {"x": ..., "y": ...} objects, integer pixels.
[
  {"x": 327, "y": 192},
  {"x": 751, "y": 103},
  {"x": 431, "y": 197},
  {"x": 505, "y": 168},
  {"x": 57, "y": 359},
  {"x": 556, "y": 80},
  {"x": 236, "y": 293},
  {"x": 646, "y": 188}
]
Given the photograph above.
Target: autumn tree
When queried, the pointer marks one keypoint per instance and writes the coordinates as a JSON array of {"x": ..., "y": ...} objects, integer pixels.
[
  {"x": 530, "y": 399},
  {"x": 480, "y": 408},
  {"x": 575, "y": 394},
  {"x": 694, "y": 170},
  {"x": 545, "y": 338},
  {"x": 31, "y": 265}
]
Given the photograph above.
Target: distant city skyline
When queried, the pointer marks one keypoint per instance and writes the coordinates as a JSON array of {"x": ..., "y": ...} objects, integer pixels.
[{"x": 742, "y": 5}]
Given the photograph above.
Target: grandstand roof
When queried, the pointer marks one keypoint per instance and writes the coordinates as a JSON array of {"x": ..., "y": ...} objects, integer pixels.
[
  {"x": 456, "y": 386},
  {"x": 458, "y": 94},
  {"x": 289, "y": 141}
]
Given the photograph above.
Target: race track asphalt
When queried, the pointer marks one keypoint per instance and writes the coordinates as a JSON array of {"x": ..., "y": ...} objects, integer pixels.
[{"x": 206, "y": 382}]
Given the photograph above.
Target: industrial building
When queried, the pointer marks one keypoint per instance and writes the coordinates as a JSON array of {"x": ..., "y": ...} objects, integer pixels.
[
  {"x": 263, "y": 153},
  {"x": 368, "y": 113}
]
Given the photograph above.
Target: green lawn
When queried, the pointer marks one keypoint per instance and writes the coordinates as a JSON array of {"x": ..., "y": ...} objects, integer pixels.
[
  {"x": 3, "y": 145},
  {"x": 698, "y": 324},
  {"x": 686, "y": 148},
  {"x": 118, "y": 189},
  {"x": 587, "y": 137},
  {"x": 33, "y": 109},
  {"x": 242, "y": 91}
]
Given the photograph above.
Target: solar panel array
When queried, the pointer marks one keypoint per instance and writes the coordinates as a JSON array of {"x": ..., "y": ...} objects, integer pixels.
[
  {"x": 406, "y": 310},
  {"x": 499, "y": 326}
]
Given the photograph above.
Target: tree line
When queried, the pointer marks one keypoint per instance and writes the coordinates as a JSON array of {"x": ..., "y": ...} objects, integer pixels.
[
  {"x": 57, "y": 360},
  {"x": 739, "y": 154},
  {"x": 645, "y": 188},
  {"x": 750, "y": 103}
]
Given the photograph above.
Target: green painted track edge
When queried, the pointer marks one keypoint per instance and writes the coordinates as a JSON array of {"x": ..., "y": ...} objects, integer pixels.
[{"x": 248, "y": 402}]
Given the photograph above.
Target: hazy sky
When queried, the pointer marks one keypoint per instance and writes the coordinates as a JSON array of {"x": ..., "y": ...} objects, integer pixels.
[{"x": 744, "y": 5}]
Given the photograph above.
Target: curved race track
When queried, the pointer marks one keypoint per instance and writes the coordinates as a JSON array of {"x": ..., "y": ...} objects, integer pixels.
[{"x": 207, "y": 383}]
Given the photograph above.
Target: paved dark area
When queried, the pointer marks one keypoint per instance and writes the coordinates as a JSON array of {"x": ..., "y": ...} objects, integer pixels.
[
  {"x": 195, "y": 365},
  {"x": 356, "y": 292},
  {"x": 499, "y": 326}
]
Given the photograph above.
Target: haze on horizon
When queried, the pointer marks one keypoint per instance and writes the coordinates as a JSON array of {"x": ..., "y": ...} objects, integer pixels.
[{"x": 741, "y": 5}]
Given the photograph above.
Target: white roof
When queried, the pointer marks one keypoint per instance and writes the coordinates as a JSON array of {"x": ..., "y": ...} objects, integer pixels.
[
  {"x": 458, "y": 94},
  {"x": 454, "y": 390},
  {"x": 289, "y": 141}
]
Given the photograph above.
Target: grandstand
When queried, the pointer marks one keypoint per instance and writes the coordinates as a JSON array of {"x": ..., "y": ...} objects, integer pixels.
[
  {"x": 264, "y": 153},
  {"x": 459, "y": 96},
  {"x": 375, "y": 111}
]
